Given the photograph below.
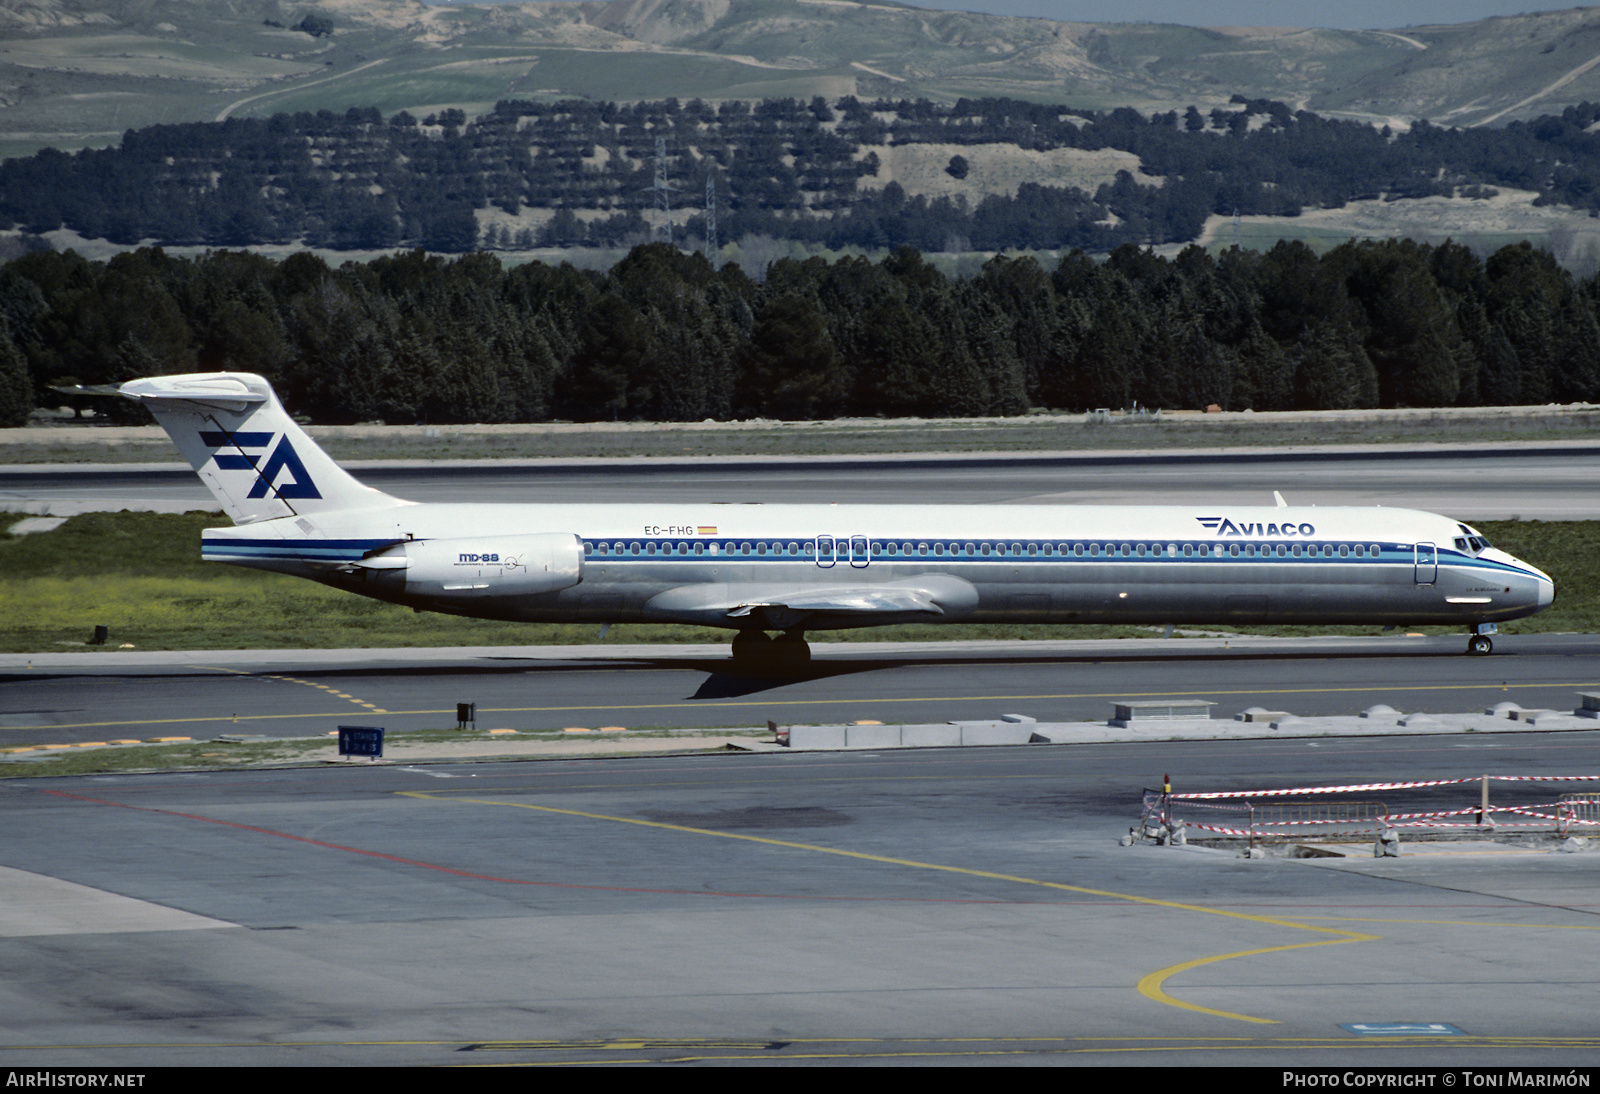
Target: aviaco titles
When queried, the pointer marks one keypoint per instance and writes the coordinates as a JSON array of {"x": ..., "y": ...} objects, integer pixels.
[{"x": 794, "y": 568}]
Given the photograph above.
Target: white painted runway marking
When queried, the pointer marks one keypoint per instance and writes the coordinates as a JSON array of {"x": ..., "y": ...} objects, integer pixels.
[{"x": 33, "y": 904}]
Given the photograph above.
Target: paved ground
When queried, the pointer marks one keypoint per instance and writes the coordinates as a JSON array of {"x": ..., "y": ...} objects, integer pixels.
[
  {"x": 928, "y": 906},
  {"x": 84, "y": 696}
]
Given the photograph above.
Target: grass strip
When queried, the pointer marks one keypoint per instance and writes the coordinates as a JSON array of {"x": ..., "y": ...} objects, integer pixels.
[{"x": 212, "y": 755}]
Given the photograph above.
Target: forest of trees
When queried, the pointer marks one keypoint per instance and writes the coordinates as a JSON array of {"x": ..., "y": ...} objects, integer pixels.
[
  {"x": 663, "y": 335},
  {"x": 780, "y": 168}
]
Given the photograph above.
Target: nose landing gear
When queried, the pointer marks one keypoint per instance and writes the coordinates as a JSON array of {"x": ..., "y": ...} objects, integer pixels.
[{"x": 1479, "y": 642}]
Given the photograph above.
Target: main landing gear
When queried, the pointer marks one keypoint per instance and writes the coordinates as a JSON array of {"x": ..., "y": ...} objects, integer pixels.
[
  {"x": 754, "y": 650},
  {"x": 1479, "y": 642}
]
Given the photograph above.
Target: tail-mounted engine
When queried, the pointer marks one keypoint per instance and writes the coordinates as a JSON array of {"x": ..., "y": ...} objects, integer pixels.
[{"x": 483, "y": 565}]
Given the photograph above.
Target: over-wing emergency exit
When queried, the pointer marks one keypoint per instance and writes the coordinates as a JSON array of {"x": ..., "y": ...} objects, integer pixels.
[{"x": 797, "y": 568}]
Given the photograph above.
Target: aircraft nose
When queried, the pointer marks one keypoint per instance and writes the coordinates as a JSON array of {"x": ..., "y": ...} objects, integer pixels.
[{"x": 1544, "y": 586}]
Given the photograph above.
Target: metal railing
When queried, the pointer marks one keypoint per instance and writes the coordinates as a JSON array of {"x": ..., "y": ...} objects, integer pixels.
[
  {"x": 1288, "y": 814},
  {"x": 1274, "y": 820}
]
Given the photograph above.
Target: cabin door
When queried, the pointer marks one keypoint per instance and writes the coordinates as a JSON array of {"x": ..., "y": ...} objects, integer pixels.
[
  {"x": 1427, "y": 564},
  {"x": 859, "y": 555}
]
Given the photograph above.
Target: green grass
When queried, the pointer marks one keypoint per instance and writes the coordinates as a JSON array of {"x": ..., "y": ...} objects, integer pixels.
[
  {"x": 1569, "y": 551},
  {"x": 283, "y": 752},
  {"x": 167, "y": 757},
  {"x": 140, "y": 574}
]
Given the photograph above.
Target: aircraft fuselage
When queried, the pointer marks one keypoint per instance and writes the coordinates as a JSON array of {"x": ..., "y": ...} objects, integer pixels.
[{"x": 1040, "y": 564}]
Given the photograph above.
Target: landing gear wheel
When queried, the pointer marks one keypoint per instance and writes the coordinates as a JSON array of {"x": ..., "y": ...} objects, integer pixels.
[
  {"x": 1480, "y": 644},
  {"x": 790, "y": 650},
  {"x": 752, "y": 649}
]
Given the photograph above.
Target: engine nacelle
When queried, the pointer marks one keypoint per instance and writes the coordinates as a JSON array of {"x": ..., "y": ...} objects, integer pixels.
[{"x": 474, "y": 566}]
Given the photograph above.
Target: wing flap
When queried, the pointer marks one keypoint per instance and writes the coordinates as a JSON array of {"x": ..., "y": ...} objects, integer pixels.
[
  {"x": 790, "y": 606},
  {"x": 864, "y": 601}
]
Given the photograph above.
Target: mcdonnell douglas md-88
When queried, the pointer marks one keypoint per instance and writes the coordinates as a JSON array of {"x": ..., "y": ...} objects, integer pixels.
[{"x": 793, "y": 568}]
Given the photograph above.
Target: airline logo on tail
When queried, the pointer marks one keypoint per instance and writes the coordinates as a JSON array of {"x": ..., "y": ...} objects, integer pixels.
[{"x": 243, "y": 449}]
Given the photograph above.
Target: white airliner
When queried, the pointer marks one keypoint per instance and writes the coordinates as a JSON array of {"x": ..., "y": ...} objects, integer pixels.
[{"x": 794, "y": 568}]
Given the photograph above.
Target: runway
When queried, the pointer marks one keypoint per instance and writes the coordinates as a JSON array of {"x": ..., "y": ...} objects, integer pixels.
[
  {"x": 93, "y": 697},
  {"x": 1533, "y": 482}
]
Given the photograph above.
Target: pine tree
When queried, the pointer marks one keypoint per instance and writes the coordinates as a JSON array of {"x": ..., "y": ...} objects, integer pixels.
[{"x": 16, "y": 390}]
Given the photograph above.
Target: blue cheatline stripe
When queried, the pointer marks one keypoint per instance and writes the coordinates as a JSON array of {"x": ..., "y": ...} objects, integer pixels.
[
  {"x": 316, "y": 550},
  {"x": 623, "y": 550},
  {"x": 731, "y": 550},
  {"x": 364, "y": 544},
  {"x": 269, "y": 552}
]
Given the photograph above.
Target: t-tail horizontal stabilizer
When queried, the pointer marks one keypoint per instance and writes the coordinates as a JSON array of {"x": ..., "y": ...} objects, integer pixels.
[{"x": 257, "y": 462}]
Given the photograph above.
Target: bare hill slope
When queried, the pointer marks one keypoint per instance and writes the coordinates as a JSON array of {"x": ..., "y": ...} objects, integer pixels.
[{"x": 80, "y": 72}]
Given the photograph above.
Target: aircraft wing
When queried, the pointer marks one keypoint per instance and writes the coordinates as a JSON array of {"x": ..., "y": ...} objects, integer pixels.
[
  {"x": 864, "y": 601},
  {"x": 788, "y": 606}
]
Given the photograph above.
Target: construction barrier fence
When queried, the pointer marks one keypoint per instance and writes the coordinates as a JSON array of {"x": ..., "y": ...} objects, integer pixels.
[{"x": 1277, "y": 814}]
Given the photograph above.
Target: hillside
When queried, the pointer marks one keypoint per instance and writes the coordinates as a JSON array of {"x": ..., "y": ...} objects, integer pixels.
[
  {"x": 78, "y": 73},
  {"x": 980, "y": 174}
]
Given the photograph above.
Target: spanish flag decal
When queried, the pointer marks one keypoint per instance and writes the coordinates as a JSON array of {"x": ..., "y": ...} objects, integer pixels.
[{"x": 706, "y": 530}]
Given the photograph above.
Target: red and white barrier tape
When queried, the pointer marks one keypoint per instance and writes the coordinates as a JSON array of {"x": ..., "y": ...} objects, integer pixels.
[{"x": 1364, "y": 787}]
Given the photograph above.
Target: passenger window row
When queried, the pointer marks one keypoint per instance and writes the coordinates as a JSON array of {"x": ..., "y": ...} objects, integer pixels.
[{"x": 889, "y": 550}]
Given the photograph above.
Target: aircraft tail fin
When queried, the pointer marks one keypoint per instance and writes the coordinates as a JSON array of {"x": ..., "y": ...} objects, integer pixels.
[{"x": 255, "y": 459}]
